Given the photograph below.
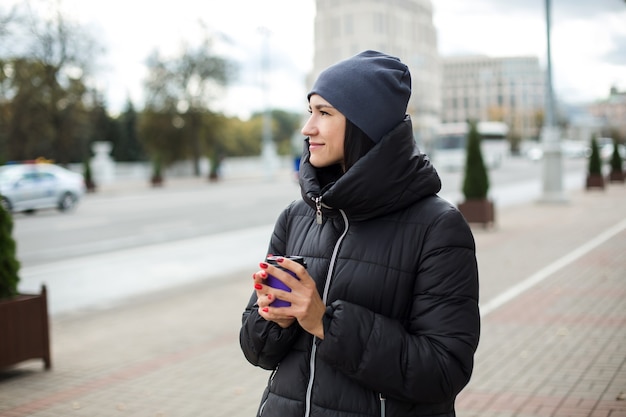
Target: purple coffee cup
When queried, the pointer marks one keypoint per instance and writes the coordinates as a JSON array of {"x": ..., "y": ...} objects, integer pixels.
[{"x": 274, "y": 282}]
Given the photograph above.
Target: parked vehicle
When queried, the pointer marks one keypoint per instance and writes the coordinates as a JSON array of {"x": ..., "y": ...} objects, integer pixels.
[
  {"x": 30, "y": 187},
  {"x": 575, "y": 149},
  {"x": 569, "y": 149}
]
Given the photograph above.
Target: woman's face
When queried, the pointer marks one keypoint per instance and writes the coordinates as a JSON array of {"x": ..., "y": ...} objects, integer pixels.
[{"x": 326, "y": 129}]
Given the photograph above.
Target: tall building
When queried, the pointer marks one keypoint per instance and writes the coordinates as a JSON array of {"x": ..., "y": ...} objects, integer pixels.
[
  {"x": 612, "y": 112},
  {"x": 506, "y": 89},
  {"x": 402, "y": 28}
]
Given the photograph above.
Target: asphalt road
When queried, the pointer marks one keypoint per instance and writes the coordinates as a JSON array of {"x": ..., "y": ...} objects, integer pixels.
[{"x": 135, "y": 216}]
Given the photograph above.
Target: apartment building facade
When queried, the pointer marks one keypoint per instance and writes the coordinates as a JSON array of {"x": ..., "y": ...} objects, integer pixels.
[
  {"x": 612, "y": 113},
  {"x": 506, "y": 89}
]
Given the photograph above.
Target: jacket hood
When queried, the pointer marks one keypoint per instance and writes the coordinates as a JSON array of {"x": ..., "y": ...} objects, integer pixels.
[{"x": 391, "y": 176}]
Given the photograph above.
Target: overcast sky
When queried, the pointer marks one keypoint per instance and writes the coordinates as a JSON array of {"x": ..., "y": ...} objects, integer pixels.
[
  {"x": 588, "y": 41},
  {"x": 588, "y": 38}
]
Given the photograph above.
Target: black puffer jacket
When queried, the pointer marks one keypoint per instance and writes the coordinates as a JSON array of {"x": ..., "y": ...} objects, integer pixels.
[{"x": 396, "y": 267}]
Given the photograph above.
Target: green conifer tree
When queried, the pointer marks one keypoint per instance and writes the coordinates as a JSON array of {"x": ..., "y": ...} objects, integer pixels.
[
  {"x": 595, "y": 164},
  {"x": 476, "y": 182},
  {"x": 9, "y": 265},
  {"x": 616, "y": 159},
  {"x": 157, "y": 174},
  {"x": 89, "y": 182}
]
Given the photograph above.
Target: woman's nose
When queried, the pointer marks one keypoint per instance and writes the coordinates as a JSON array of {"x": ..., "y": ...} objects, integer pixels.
[{"x": 308, "y": 129}]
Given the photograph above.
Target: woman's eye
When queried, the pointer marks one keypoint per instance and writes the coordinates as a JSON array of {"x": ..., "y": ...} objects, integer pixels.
[{"x": 318, "y": 111}]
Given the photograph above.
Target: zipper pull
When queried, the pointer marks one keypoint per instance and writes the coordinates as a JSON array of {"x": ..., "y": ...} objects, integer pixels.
[{"x": 318, "y": 209}]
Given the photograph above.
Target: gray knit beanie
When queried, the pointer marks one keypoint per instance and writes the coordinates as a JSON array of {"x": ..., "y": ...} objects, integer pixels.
[{"x": 371, "y": 89}]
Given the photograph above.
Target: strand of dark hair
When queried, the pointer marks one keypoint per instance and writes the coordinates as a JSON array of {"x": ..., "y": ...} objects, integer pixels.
[{"x": 356, "y": 144}]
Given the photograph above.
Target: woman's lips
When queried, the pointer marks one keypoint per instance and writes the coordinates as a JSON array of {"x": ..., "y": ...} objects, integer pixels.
[{"x": 313, "y": 146}]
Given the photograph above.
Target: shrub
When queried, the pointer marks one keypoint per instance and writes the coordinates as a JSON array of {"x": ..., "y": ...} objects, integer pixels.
[
  {"x": 595, "y": 164},
  {"x": 157, "y": 174},
  {"x": 9, "y": 265},
  {"x": 88, "y": 176},
  {"x": 616, "y": 159},
  {"x": 476, "y": 181}
]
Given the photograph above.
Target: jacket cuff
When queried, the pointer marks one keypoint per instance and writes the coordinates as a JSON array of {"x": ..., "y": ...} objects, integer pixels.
[{"x": 326, "y": 319}]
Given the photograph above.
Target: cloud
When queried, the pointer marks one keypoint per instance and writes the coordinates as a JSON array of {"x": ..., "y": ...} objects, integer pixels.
[
  {"x": 585, "y": 9},
  {"x": 617, "y": 54},
  {"x": 587, "y": 38},
  {"x": 560, "y": 9}
]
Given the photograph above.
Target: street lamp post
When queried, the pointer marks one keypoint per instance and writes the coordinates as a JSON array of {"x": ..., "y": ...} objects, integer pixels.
[
  {"x": 552, "y": 155},
  {"x": 268, "y": 148}
]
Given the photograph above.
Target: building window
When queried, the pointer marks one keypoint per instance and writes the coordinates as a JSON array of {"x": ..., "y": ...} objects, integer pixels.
[
  {"x": 379, "y": 23},
  {"x": 348, "y": 25},
  {"x": 335, "y": 27}
]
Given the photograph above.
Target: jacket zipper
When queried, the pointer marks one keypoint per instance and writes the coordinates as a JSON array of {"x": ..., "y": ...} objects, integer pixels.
[
  {"x": 269, "y": 385},
  {"x": 318, "y": 209},
  {"x": 329, "y": 275},
  {"x": 382, "y": 404}
]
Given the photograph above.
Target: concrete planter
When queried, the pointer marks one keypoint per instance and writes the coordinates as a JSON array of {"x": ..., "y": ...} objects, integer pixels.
[
  {"x": 480, "y": 211},
  {"x": 594, "y": 181},
  {"x": 24, "y": 329},
  {"x": 156, "y": 181},
  {"x": 615, "y": 176}
]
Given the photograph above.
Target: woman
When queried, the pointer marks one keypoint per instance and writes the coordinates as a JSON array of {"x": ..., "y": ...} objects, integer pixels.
[{"x": 384, "y": 319}]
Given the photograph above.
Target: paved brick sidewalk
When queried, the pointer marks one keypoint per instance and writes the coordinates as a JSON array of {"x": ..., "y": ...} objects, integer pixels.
[{"x": 557, "y": 349}]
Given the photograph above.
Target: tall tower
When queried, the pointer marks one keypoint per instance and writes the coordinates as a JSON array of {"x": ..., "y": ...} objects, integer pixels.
[{"x": 402, "y": 28}]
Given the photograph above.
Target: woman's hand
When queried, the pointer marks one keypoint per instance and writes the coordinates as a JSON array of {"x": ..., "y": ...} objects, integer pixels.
[{"x": 306, "y": 307}]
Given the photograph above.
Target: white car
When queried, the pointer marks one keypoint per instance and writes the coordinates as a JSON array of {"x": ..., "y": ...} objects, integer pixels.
[
  {"x": 31, "y": 187},
  {"x": 569, "y": 149}
]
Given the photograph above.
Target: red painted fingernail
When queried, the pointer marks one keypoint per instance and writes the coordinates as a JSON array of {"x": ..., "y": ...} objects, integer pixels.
[
  {"x": 265, "y": 309},
  {"x": 280, "y": 259},
  {"x": 258, "y": 286},
  {"x": 254, "y": 276},
  {"x": 263, "y": 265},
  {"x": 269, "y": 296},
  {"x": 263, "y": 274}
]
